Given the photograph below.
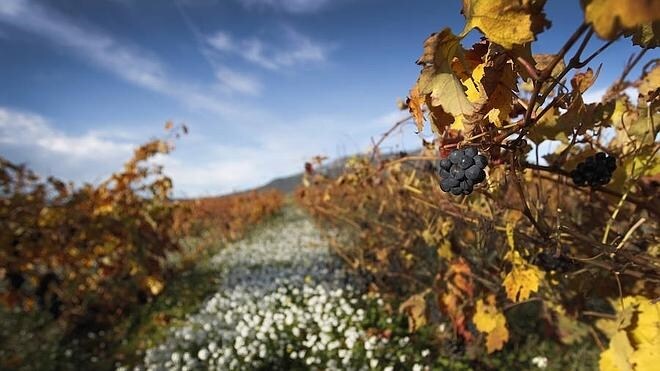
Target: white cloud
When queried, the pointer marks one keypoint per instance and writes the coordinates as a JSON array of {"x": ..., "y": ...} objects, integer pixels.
[
  {"x": 125, "y": 61},
  {"x": 294, "y": 49},
  {"x": 30, "y": 138},
  {"x": 289, "y": 6},
  {"x": 221, "y": 41},
  {"x": 236, "y": 81}
]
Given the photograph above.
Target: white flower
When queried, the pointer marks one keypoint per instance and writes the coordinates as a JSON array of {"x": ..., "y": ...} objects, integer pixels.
[
  {"x": 540, "y": 361},
  {"x": 203, "y": 354},
  {"x": 417, "y": 367},
  {"x": 425, "y": 353}
]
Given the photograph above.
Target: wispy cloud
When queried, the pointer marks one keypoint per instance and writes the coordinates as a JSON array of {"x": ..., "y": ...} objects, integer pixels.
[
  {"x": 291, "y": 50},
  {"x": 30, "y": 138},
  {"x": 125, "y": 61},
  {"x": 235, "y": 81},
  {"x": 289, "y": 6}
]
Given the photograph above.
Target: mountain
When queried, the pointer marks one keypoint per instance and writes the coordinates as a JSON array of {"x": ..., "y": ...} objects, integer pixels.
[{"x": 284, "y": 184}]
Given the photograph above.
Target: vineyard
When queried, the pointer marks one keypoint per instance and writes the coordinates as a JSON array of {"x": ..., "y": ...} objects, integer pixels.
[
  {"x": 566, "y": 247},
  {"x": 81, "y": 257},
  {"x": 476, "y": 251}
]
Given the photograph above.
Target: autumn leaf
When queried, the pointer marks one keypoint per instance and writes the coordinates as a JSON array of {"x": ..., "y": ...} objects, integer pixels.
[
  {"x": 504, "y": 22},
  {"x": 523, "y": 279},
  {"x": 647, "y": 35},
  {"x": 415, "y": 308},
  {"x": 650, "y": 82},
  {"x": 415, "y": 105},
  {"x": 499, "y": 83},
  {"x": 609, "y": 17},
  {"x": 440, "y": 120},
  {"x": 617, "y": 356},
  {"x": 582, "y": 81},
  {"x": 635, "y": 336},
  {"x": 488, "y": 319},
  {"x": 461, "y": 275},
  {"x": 446, "y": 91},
  {"x": 437, "y": 79},
  {"x": 459, "y": 288}
]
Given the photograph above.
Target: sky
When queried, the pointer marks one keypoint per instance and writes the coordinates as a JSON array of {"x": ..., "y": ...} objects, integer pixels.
[{"x": 263, "y": 85}]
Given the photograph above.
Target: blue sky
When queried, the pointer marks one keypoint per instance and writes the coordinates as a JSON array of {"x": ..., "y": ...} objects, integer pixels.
[{"x": 263, "y": 85}]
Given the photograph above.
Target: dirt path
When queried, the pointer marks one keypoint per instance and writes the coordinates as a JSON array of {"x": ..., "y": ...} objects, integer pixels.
[{"x": 284, "y": 302}]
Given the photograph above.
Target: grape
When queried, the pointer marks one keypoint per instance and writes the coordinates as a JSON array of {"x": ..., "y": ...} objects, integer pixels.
[
  {"x": 456, "y": 172},
  {"x": 466, "y": 162},
  {"x": 470, "y": 152},
  {"x": 481, "y": 161},
  {"x": 445, "y": 163},
  {"x": 462, "y": 170},
  {"x": 473, "y": 172},
  {"x": 456, "y": 191},
  {"x": 594, "y": 171},
  {"x": 481, "y": 177},
  {"x": 455, "y": 156},
  {"x": 448, "y": 184}
]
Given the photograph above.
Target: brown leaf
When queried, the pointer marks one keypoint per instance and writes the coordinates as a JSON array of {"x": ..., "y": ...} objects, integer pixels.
[
  {"x": 415, "y": 308},
  {"x": 415, "y": 105}
]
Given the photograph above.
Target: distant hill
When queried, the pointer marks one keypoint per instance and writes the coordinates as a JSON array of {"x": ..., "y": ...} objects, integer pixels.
[
  {"x": 332, "y": 169},
  {"x": 284, "y": 184}
]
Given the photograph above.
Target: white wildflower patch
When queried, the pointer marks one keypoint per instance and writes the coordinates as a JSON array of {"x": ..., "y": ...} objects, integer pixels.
[{"x": 284, "y": 302}]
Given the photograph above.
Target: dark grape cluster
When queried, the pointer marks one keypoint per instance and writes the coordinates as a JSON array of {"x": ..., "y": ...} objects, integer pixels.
[
  {"x": 461, "y": 170},
  {"x": 550, "y": 262},
  {"x": 595, "y": 171}
]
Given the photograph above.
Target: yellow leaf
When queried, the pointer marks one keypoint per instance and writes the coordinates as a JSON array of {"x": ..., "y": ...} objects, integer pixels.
[
  {"x": 504, "y": 22},
  {"x": 609, "y": 17},
  {"x": 472, "y": 85},
  {"x": 488, "y": 319},
  {"x": 444, "y": 251},
  {"x": 446, "y": 91},
  {"x": 154, "y": 285},
  {"x": 651, "y": 81},
  {"x": 646, "y": 357},
  {"x": 616, "y": 357},
  {"x": 635, "y": 336},
  {"x": 415, "y": 308},
  {"x": 522, "y": 281},
  {"x": 437, "y": 79},
  {"x": 647, "y": 35}
]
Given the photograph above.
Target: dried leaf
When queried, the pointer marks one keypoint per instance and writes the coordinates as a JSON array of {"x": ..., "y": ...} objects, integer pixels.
[
  {"x": 415, "y": 103},
  {"x": 415, "y": 308}
]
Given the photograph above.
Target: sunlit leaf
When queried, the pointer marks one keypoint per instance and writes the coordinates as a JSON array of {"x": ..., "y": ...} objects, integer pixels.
[
  {"x": 505, "y": 22},
  {"x": 609, "y": 17}
]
